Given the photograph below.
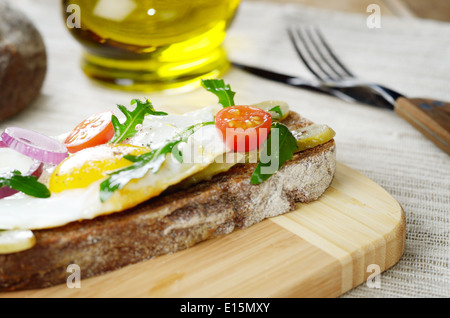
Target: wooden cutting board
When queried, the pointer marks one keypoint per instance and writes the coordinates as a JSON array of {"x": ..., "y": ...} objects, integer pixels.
[{"x": 323, "y": 249}]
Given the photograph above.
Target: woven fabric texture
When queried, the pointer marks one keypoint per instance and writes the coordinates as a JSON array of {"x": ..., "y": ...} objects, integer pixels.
[{"x": 408, "y": 55}]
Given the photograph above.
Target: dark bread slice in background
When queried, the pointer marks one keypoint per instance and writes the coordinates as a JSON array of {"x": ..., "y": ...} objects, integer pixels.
[
  {"x": 23, "y": 61},
  {"x": 171, "y": 222}
]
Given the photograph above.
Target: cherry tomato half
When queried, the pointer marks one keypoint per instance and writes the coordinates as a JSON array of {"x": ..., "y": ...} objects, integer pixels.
[
  {"x": 243, "y": 128},
  {"x": 93, "y": 131}
]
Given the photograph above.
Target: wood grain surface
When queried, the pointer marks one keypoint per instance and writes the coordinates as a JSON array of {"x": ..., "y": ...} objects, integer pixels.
[
  {"x": 431, "y": 117},
  {"x": 322, "y": 249}
]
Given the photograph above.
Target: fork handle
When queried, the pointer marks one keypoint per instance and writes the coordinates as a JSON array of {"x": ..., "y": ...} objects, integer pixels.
[{"x": 429, "y": 116}]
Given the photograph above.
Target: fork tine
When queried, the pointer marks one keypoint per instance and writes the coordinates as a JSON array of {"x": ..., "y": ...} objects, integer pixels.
[
  {"x": 337, "y": 61},
  {"x": 323, "y": 57},
  {"x": 306, "y": 55},
  {"x": 317, "y": 55}
]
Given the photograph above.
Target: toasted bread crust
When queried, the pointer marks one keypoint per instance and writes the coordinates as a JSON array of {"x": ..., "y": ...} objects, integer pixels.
[{"x": 171, "y": 222}]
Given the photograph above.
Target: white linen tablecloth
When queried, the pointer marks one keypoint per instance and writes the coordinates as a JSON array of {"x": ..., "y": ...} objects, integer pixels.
[{"x": 409, "y": 55}]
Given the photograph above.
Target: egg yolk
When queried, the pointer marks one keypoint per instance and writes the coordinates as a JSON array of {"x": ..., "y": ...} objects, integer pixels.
[{"x": 90, "y": 165}]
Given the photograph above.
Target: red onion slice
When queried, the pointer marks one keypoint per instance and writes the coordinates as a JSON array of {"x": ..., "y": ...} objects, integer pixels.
[
  {"x": 34, "y": 145},
  {"x": 36, "y": 170},
  {"x": 7, "y": 192},
  {"x": 2, "y": 144}
]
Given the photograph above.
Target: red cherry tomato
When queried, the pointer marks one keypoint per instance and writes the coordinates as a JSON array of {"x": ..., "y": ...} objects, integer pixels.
[
  {"x": 93, "y": 131},
  {"x": 243, "y": 128}
]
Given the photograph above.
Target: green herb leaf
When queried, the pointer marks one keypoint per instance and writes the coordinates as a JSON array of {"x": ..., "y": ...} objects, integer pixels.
[
  {"x": 142, "y": 164},
  {"x": 277, "y": 109},
  {"x": 26, "y": 184},
  {"x": 133, "y": 118},
  {"x": 222, "y": 91},
  {"x": 279, "y": 148}
]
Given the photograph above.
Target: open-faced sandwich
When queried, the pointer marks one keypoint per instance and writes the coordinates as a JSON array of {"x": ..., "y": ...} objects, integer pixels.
[{"x": 114, "y": 192}]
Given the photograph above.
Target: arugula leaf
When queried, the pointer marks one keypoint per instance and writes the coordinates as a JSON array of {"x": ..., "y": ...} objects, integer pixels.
[
  {"x": 218, "y": 88},
  {"x": 279, "y": 148},
  {"x": 133, "y": 118},
  {"x": 26, "y": 184},
  {"x": 142, "y": 164},
  {"x": 277, "y": 109}
]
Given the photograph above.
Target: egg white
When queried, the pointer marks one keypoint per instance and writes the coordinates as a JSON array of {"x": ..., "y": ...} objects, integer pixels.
[{"x": 22, "y": 212}]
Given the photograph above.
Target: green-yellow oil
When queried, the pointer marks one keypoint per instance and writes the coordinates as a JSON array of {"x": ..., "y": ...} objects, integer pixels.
[{"x": 149, "y": 45}]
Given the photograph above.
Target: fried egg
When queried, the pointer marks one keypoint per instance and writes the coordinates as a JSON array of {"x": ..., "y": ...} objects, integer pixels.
[{"x": 75, "y": 183}]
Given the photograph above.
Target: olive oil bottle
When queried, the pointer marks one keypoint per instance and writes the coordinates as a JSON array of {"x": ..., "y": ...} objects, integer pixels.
[{"x": 149, "y": 45}]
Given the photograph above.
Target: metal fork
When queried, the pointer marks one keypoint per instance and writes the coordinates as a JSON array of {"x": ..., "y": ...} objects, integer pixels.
[{"x": 319, "y": 58}]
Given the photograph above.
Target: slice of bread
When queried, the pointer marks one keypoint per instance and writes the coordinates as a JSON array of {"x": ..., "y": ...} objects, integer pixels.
[{"x": 171, "y": 222}]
